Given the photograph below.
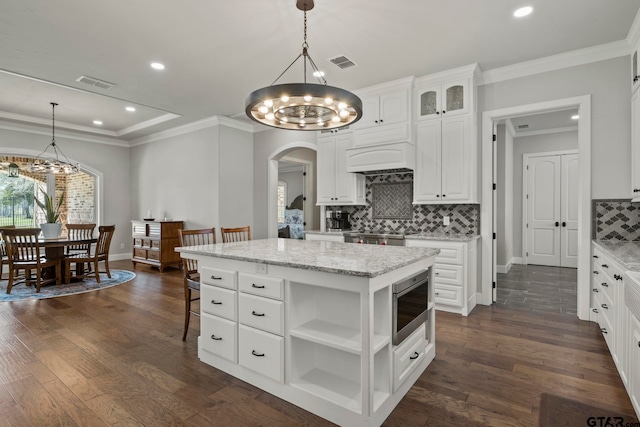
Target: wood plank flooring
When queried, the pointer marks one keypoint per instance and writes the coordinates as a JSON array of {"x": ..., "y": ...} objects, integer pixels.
[{"x": 115, "y": 357}]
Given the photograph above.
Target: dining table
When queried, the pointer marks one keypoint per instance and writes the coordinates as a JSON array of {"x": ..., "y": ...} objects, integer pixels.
[{"x": 55, "y": 249}]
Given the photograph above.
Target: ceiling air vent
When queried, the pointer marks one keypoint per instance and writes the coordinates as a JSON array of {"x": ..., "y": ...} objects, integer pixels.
[
  {"x": 523, "y": 126},
  {"x": 342, "y": 62},
  {"x": 92, "y": 81}
]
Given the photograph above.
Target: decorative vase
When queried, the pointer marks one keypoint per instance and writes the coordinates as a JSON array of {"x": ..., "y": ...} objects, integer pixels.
[{"x": 51, "y": 230}]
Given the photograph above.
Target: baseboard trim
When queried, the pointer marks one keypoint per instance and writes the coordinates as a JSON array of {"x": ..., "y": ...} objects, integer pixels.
[
  {"x": 119, "y": 257},
  {"x": 517, "y": 260},
  {"x": 503, "y": 269}
]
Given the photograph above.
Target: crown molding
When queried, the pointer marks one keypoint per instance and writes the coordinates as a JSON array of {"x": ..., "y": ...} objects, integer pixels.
[
  {"x": 557, "y": 62},
  {"x": 545, "y": 131},
  {"x": 192, "y": 127},
  {"x": 28, "y": 128}
]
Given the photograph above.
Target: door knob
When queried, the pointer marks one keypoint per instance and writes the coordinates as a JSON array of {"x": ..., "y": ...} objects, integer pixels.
[
  {"x": 557, "y": 224},
  {"x": 564, "y": 224}
]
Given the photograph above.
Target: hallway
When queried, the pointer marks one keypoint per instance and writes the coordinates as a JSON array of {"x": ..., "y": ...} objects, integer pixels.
[{"x": 538, "y": 288}]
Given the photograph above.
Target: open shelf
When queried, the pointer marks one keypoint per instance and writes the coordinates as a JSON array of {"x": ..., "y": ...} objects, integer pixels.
[
  {"x": 379, "y": 397},
  {"x": 380, "y": 341},
  {"x": 331, "y": 387},
  {"x": 330, "y": 334}
]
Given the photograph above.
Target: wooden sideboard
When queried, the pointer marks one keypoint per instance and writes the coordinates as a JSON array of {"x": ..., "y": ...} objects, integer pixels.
[{"x": 154, "y": 243}]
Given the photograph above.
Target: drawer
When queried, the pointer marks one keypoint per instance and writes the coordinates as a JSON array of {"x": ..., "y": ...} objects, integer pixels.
[
  {"x": 448, "y": 274},
  {"x": 265, "y": 286},
  {"x": 218, "y": 301},
  {"x": 607, "y": 332},
  {"x": 155, "y": 243},
  {"x": 155, "y": 255},
  {"x": 218, "y": 277},
  {"x": 137, "y": 242},
  {"x": 261, "y": 313},
  {"x": 450, "y": 255},
  {"x": 261, "y": 352},
  {"x": 449, "y": 295},
  {"x": 407, "y": 356},
  {"x": 607, "y": 309},
  {"x": 140, "y": 253},
  {"x": 218, "y": 336}
]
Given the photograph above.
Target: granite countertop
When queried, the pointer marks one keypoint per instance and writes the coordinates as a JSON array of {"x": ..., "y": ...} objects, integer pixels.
[
  {"x": 627, "y": 254},
  {"x": 331, "y": 257},
  {"x": 328, "y": 233},
  {"x": 442, "y": 236}
]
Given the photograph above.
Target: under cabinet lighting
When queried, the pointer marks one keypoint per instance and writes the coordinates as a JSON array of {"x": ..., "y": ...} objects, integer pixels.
[{"x": 576, "y": 117}]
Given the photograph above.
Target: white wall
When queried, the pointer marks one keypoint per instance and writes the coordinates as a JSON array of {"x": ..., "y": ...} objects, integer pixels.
[
  {"x": 111, "y": 160},
  {"x": 266, "y": 143},
  {"x": 527, "y": 145},
  {"x": 294, "y": 184},
  {"x": 608, "y": 83},
  {"x": 236, "y": 178}
]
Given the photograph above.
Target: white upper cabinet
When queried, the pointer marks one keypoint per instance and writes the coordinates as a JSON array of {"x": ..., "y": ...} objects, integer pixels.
[
  {"x": 443, "y": 100},
  {"x": 635, "y": 146},
  {"x": 336, "y": 186},
  {"x": 384, "y": 109}
]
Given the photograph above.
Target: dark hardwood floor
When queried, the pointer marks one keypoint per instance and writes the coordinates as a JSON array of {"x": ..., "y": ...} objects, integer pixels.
[{"x": 115, "y": 357}]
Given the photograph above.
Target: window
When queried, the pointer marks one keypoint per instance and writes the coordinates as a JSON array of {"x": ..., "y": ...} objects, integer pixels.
[{"x": 282, "y": 200}]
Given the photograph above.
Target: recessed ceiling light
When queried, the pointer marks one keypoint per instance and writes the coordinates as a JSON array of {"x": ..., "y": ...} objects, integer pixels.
[
  {"x": 523, "y": 11},
  {"x": 130, "y": 109},
  {"x": 97, "y": 122},
  {"x": 575, "y": 117},
  {"x": 157, "y": 66}
]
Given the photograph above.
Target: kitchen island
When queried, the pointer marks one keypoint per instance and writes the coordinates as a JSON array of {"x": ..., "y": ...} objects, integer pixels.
[{"x": 312, "y": 322}]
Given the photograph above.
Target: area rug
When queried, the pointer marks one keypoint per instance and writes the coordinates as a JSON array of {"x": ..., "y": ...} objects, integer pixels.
[
  {"x": 22, "y": 292},
  {"x": 559, "y": 411}
]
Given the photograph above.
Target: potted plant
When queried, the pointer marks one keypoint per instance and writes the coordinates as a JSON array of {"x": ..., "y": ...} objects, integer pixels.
[{"x": 52, "y": 228}]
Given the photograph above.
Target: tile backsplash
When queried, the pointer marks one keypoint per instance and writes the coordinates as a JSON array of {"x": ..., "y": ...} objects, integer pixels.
[
  {"x": 391, "y": 216},
  {"x": 615, "y": 220}
]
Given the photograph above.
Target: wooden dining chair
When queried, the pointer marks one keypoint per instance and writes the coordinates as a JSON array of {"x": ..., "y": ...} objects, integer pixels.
[
  {"x": 206, "y": 236},
  {"x": 4, "y": 258},
  {"x": 239, "y": 234},
  {"x": 79, "y": 232},
  {"x": 23, "y": 253},
  {"x": 101, "y": 253}
]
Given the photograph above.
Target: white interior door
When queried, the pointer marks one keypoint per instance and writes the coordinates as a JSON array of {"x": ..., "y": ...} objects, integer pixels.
[
  {"x": 569, "y": 211},
  {"x": 543, "y": 210}
]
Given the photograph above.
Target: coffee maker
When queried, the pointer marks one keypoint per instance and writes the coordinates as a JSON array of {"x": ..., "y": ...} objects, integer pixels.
[{"x": 337, "y": 220}]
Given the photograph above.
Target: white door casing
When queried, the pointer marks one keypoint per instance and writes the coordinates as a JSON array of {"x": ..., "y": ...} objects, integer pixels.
[
  {"x": 569, "y": 211},
  {"x": 494, "y": 202}
]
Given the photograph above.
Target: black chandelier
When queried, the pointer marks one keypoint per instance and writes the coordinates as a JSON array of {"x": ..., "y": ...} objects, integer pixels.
[
  {"x": 304, "y": 106},
  {"x": 53, "y": 164}
]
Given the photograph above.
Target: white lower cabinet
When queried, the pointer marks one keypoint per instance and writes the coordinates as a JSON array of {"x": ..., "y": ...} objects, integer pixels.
[
  {"x": 455, "y": 274},
  {"x": 634, "y": 365},
  {"x": 407, "y": 356},
  {"x": 261, "y": 313},
  {"x": 218, "y": 336},
  {"x": 261, "y": 352}
]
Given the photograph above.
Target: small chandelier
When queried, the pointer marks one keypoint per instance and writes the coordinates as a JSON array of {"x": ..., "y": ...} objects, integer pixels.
[
  {"x": 51, "y": 165},
  {"x": 304, "y": 106}
]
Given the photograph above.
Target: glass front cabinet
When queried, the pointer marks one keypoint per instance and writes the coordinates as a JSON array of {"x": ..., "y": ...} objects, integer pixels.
[{"x": 444, "y": 100}]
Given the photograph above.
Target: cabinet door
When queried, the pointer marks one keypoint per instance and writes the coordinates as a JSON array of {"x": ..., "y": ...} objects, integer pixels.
[
  {"x": 370, "y": 113},
  {"x": 344, "y": 181},
  {"x": 634, "y": 358},
  {"x": 427, "y": 173},
  {"x": 455, "y": 98},
  {"x": 635, "y": 145},
  {"x": 456, "y": 159},
  {"x": 326, "y": 169},
  {"x": 429, "y": 101},
  {"x": 394, "y": 107}
]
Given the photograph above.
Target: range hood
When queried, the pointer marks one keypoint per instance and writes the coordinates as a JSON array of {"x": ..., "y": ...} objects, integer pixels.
[{"x": 395, "y": 157}]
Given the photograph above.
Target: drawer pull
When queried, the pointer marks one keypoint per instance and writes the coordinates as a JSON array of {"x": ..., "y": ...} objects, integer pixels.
[
  {"x": 604, "y": 330},
  {"x": 605, "y": 266},
  {"x": 595, "y": 290},
  {"x": 214, "y": 302},
  {"x": 437, "y": 274},
  {"x": 257, "y": 354},
  {"x": 604, "y": 306},
  {"x": 253, "y": 285},
  {"x": 638, "y": 343},
  {"x": 595, "y": 310},
  {"x": 216, "y": 278},
  {"x": 415, "y": 355},
  {"x": 605, "y": 284},
  {"x": 596, "y": 256},
  {"x": 595, "y": 272},
  {"x": 213, "y": 337},
  {"x": 257, "y": 314},
  {"x": 437, "y": 293}
]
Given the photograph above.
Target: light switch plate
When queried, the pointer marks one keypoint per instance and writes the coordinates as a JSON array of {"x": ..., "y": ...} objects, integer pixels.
[
  {"x": 261, "y": 268},
  {"x": 445, "y": 220}
]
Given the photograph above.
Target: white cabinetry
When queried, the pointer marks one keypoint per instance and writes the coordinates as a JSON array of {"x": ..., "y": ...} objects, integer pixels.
[
  {"x": 634, "y": 365},
  {"x": 635, "y": 146},
  {"x": 446, "y": 152},
  {"x": 336, "y": 186},
  {"x": 386, "y": 114},
  {"x": 455, "y": 274},
  {"x": 325, "y": 237}
]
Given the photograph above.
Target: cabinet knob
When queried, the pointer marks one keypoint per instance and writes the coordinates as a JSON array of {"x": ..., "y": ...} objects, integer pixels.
[
  {"x": 437, "y": 274},
  {"x": 216, "y": 302},
  {"x": 376, "y": 121},
  {"x": 255, "y": 353},
  {"x": 213, "y": 337},
  {"x": 381, "y": 120},
  {"x": 564, "y": 224},
  {"x": 437, "y": 195},
  {"x": 415, "y": 355},
  {"x": 444, "y": 195},
  {"x": 437, "y": 293},
  {"x": 557, "y": 224},
  {"x": 438, "y": 112}
]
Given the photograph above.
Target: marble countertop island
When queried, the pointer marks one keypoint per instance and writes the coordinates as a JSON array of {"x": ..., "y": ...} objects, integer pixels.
[{"x": 331, "y": 257}]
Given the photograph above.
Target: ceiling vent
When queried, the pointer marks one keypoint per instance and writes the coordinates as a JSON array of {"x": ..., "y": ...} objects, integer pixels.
[
  {"x": 92, "y": 81},
  {"x": 342, "y": 62},
  {"x": 523, "y": 126}
]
